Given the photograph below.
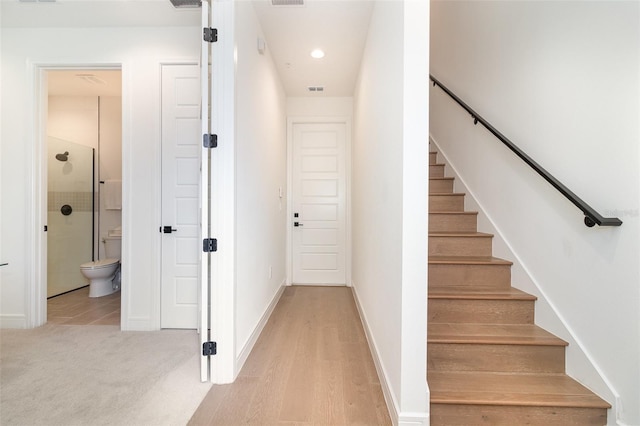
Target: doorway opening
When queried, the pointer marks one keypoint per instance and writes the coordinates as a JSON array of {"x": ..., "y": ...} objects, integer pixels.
[{"x": 82, "y": 145}]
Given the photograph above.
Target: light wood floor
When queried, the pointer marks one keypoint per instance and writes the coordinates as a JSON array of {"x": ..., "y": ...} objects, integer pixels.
[
  {"x": 310, "y": 366},
  {"x": 77, "y": 308}
]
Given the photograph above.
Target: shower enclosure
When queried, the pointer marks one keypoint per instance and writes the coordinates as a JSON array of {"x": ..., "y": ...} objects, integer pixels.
[{"x": 70, "y": 218}]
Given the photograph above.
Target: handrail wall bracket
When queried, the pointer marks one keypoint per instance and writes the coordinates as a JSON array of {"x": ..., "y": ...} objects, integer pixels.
[{"x": 591, "y": 216}]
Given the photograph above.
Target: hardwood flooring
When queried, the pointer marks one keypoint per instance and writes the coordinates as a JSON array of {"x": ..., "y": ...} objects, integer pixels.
[
  {"x": 310, "y": 366},
  {"x": 77, "y": 308}
]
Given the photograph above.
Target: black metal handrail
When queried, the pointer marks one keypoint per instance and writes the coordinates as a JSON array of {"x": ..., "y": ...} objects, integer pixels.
[{"x": 591, "y": 217}]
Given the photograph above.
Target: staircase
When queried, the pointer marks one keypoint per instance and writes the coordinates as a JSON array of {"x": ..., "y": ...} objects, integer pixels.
[{"x": 488, "y": 363}]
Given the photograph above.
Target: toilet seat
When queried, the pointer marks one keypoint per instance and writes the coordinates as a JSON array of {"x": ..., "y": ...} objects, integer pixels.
[{"x": 99, "y": 264}]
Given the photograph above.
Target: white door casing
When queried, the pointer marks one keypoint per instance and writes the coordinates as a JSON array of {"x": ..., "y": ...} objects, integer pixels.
[
  {"x": 319, "y": 195},
  {"x": 181, "y": 142}
]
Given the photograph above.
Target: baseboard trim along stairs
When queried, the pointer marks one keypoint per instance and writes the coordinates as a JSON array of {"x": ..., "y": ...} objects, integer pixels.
[{"x": 488, "y": 363}]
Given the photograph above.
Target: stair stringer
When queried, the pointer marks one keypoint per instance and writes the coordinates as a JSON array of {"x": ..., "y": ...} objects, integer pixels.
[{"x": 580, "y": 365}]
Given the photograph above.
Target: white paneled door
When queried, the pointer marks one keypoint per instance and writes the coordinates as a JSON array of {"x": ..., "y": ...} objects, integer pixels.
[
  {"x": 319, "y": 203},
  {"x": 180, "y": 228}
]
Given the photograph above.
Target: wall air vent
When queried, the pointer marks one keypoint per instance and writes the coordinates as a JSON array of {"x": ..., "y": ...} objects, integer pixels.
[
  {"x": 186, "y": 3},
  {"x": 315, "y": 88},
  {"x": 287, "y": 2}
]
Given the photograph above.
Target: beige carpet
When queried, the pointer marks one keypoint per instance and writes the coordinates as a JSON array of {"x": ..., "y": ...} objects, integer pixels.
[{"x": 98, "y": 375}]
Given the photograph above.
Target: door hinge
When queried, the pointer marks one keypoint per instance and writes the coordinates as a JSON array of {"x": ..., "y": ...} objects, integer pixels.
[
  {"x": 209, "y": 245},
  {"x": 210, "y": 141},
  {"x": 209, "y": 348},
  {"x": 210, "y": 35}
]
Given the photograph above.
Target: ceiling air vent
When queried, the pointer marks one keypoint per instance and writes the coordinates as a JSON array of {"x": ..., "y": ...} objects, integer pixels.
[
  {"x": 287, "y": 2},
  {"x": 186, "y": 3},
  {"x": 315, "y": 88}
]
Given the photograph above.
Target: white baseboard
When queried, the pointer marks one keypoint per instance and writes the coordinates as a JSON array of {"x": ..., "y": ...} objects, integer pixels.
[
  {"x": 248, "y": 347},
  {"x": 13, "y": 321},
  {"x": 138, "y": 324},
  {"x": 413, "y": 419},
  {"x": 398, "y": 418}
]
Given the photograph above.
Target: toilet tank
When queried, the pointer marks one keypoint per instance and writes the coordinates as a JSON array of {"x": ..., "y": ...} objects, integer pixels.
[{"x": 112, "y": 247}]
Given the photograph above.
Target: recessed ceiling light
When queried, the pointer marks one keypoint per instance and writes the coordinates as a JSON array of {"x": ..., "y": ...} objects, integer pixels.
[{"x": 317, "y": 54}]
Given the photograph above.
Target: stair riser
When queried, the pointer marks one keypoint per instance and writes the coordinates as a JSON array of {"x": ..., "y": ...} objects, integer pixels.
[
  {"x": 436, "y": 170},
  {"x": 459, "y": 246},
  {"x": 440, "y": 186},
  {"x": 433, "y": 156},
  {"x": 477, "y": 277},
  {"x": 482, "y": 383},
  {"x": 464, "y": 415},
  {"x": 491, "y": 311},
  {"x": 446, "y": 203},
  {"x": 442, "y": 222},
  {"x": 495, "y": 358}
]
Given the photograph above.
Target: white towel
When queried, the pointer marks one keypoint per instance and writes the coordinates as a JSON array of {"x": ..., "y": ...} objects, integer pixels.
[{"x": 113, "y": 194}]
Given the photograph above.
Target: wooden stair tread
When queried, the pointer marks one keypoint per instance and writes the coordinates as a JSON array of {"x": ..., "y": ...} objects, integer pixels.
[
  {"x": 482, "y": 294},
  {"x": 467, "y": 260},
  {"x": 460, "y": 234},
  {"x": 489, "y": 363},
  {"x": 550, "y": 390},
  {"x": 497, "y": 334},
  {"x": 470, "y": 213}
]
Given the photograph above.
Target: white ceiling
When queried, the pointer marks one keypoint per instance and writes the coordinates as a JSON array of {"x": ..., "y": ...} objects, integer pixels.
[
  {"x": 338, "y": 27},
  {"x": 94, "y": 13}
]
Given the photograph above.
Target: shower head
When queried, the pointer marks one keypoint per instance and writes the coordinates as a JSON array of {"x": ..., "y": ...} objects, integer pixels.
[{"x": 63, "y": 157}]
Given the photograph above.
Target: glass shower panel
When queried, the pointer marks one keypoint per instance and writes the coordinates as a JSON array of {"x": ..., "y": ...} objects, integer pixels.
[{"x": 70, "y": 214}]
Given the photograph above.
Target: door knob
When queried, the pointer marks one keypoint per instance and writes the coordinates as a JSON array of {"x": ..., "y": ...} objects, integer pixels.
[{"x": 167, "y": 229}]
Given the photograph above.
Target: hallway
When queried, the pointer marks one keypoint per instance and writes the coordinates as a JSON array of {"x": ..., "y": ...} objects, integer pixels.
[{"x": 311, "y": 365}]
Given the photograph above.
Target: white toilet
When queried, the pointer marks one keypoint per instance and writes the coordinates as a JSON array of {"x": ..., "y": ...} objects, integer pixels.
[{"x": 104, "y": 275}]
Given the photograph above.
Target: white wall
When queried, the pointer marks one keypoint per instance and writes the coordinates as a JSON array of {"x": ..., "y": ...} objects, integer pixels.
[
  {"x": 260, "y": 178},
  {"x": 139, "y": 52},
  {"x": 560, "y": 79},
  {"x": 319, "y": 106},
  {"x": 390, "y": 202},
  {"x": 74, "y": 118}
]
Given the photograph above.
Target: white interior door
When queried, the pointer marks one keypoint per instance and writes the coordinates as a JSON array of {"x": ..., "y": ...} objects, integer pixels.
[
  {"x": 180, "y": 228},
  {"x": 319, "y": 201}
]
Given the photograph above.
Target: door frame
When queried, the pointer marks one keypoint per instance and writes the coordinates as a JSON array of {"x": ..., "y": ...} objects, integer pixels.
[
  {"x": 291, "y": 121},
  {"x": 36, "y": 288}
]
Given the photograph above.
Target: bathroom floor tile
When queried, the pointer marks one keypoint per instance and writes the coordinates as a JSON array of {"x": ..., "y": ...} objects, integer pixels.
[{"x": 78, "y": 308}]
